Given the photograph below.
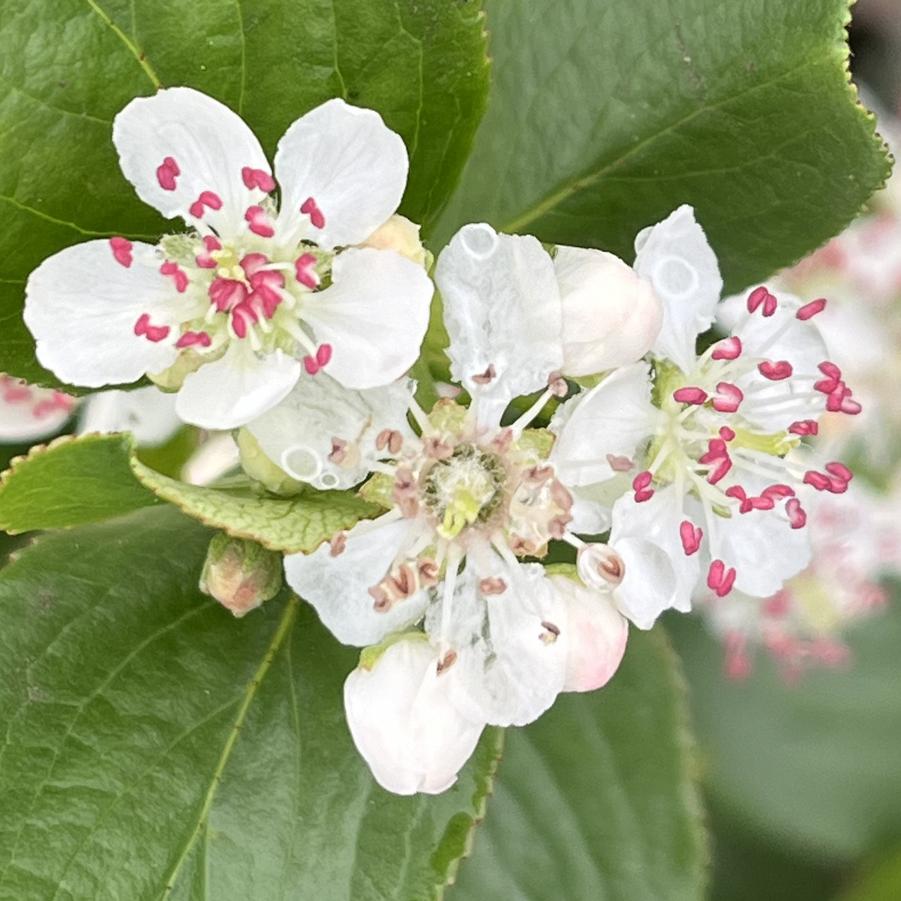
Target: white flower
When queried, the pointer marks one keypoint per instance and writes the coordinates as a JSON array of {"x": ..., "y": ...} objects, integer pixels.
[
  {"x": 403, "y": 722},
  {"x": 28, "y": 413},
  {"x": 469, "y": 497},
  {"x": 233, "y": 311},
  {"x": 703, "y": 439}
]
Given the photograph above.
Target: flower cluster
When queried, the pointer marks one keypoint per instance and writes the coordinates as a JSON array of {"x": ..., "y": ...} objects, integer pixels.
[{"x": 295, "y": 321}]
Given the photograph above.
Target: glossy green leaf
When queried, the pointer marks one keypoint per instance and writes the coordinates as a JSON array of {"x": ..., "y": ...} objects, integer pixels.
[
  {"x": 811, "y": 767},
  {"x": 68, "y": 68},
  {"x": 157, "y": 748},
  {"x": 596, "y": 801},
  {"x": 297, "y": 524},
  {"x": 605, "y": 116},
  {"x": 69, "y": 482}
]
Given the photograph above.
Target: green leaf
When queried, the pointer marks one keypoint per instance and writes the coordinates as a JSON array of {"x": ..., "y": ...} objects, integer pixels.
[
  {"x": 69, "y": 482},
  {"x": 297, "y": 524},
  {"x": 70, "y": 67},
  {"x": 96, "y": 477},
  {"x": 881, "y": 880},
  {"x": 811, "y": 767},
  {"x": 595, "y": 801},
  {"x": 604, "y": 117},
  {"x": 157, "y": 748}
]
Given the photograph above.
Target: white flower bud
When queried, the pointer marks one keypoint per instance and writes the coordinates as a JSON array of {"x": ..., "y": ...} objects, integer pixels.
[
  {"x": 611, "y": 316},
  {"x": 402, "y": 720},
  {"x": 597, "y": 635},
  {"x": 402, "y": 236}
]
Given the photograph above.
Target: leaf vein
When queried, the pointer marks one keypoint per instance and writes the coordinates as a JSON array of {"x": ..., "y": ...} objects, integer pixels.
[{"x": 284, "y": 627}]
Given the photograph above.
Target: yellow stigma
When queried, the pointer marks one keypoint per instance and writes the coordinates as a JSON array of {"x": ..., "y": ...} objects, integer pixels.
[
  {"x": 228, "y": 265},
  {"x": 777, "y": 444},
  {"x": 462, "y": 511}
]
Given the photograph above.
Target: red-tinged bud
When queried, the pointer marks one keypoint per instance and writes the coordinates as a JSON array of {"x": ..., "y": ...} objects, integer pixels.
[{"x": 240, "y": 574}]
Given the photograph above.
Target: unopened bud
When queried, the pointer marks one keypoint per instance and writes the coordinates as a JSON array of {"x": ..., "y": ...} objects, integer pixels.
[
  {"x": 597, "y": 635},
  {"x": 240, "y": 574},
  {"x": 611, "y": 316},
  {"x": 401, "y": 717},
  {"x": 402, "y": 236}
]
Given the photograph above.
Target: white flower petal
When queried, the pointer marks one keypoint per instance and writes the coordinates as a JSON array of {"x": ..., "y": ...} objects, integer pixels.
[
  {"x": 319, "y": 410},
  {"x": 237, "y": 388},
  {"x": 774, "y": 405},
  {"x": 210, "y": 146},
  {"x": 676, "y": 258},
  {"x": 352, "y": 166},
  {"x": 147, "y": 413},
  {"x": 762, "y": 547},
  {"x": 503, "y": 314},
  {"x": 658, "y": 573},
  {"x": 612, "y": 419},
  {"x": 649, "y": 585},
  {"x": 597, "y": 635},
  {"x": 592, "y": 505},
  {"x": 338, "y": 586},
  {"x": 611, "y": 316},
  {"x": 403, "y": 722},
  {"x": 508, "y": 674},
  {"x": 374, "y": 315},
  {"x": 82, "y": 306},
  {"x": 28, "y": 413}
]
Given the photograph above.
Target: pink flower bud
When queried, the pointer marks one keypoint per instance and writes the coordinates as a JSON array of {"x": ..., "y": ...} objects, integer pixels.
[
  {"x": 597, "y": 635},
  {"x": 240, "y": 574}
]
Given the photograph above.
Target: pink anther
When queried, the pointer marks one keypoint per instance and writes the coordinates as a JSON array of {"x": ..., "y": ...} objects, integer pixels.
[
  {"x": 259, "y": 222},
  {"x": 166, "y": 173},
  {"x": 809, "y": 310},
  {"x": 720, "y": 579},
  {"x": 727, "y": 349},
  {"x": 151, "y": 332},
  {"x": 257, "y": 178},
  {"x": 690, "y": 395},
  {"x": 691, "y": 537},
  {"x": 728, "y": 397},
  {"x": 121, "y": 248},
  {"x": 777, "y": 371},
  {"x": 177, "y": 273},
  {"x": 310, "y": 208}
]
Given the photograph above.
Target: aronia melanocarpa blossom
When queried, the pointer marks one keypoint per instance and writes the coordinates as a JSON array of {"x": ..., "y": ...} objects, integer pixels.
[
  {"x": 700, "y": 452},
  {"x": 462, "y": 625},
  {"x": 259, "y": 292}
]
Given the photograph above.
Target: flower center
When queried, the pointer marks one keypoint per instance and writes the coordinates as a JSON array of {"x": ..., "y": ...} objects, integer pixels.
[
  {"x": 250, "y": 289},
  {"x": 464, "y": 489}
]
